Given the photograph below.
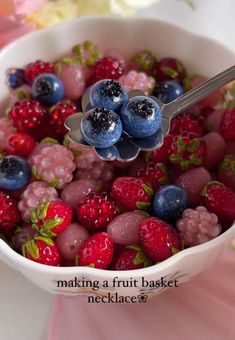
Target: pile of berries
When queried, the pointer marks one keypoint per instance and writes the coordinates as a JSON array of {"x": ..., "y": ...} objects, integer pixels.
[{"x": 61, "y": 205}]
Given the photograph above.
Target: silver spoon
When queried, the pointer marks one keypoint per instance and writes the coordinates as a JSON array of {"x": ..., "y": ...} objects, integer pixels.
[{"x": 128, "y": 148}]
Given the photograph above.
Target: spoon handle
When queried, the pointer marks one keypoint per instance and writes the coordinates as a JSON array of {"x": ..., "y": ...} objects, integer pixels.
[{"x": 196, "y": 94}]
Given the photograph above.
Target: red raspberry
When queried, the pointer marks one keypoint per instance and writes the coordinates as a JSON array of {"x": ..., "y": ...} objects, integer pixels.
[
  {"x": 160, "y": 155},
  {"x": 187, "y": 151},
  {"x": 9, "y": 213},
  {"x": 186, "y": 122},
  {"x": 228, "y": 125},
  {"x": 35, "y": 69},
  {"x": 154, "y": 174},
  {"x": 108, "y": 68},
  {"x": 58, "y": 115},
  {"x": 96, "y": 251},
  {"x": 42, "y": 250},
  {"x": 131, "y": 257},
  {"x": 159, "y": 239},
  {"x": 97, "y": 211},
  {"x": 20, "y": 144},
  {"x": 27, "y": 115}
]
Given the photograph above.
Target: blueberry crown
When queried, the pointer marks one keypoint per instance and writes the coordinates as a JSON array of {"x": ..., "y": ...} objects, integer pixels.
[
  {"x": 142, "y": 107},
  {"x": 43, "y": 87},
  {"x": 8, "y": 165},
  {"x": 112, "y": 88},
  {"x": 102, "y": 119}
]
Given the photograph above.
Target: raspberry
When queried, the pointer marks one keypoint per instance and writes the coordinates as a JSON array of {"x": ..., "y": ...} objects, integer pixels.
[
  {"x": 134, "y": 80},
  {"x": 108, "y": 68},
  {"x": 35, "y": 69},
  {"x": 186, "y": 122},
  {"x": 198, "y": 226}
]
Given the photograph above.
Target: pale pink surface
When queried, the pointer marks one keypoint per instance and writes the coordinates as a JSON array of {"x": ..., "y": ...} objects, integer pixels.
[
  {"x": 27, "y": 6},
  {"x": 215, "y": 148},
  {"x": 73, "y": 79},
  {"x": 213, "y": 121},
  {"x": 5, "y": 130},
  {"x": 200, "y": 309},
  {"x": 14, "y": 95}
]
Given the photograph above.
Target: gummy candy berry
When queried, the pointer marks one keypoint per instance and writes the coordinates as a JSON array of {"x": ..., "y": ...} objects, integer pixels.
[
  {"x": 101, "y": 127},
  {"x": 108, "y": 68},
  {"x": 141, "y": 117},
  {"x": 33, "y": 70},
  {"x": 48, "y": 89},
  {"x": 170, "y": 69},
  {"x": 134, "y": 80},
  {"x": 108, "y": 94},
  {"x": 15, "y": 173}
]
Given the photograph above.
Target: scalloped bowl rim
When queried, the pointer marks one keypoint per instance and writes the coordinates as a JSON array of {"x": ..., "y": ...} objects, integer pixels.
[{"x": 13, "y": 256}]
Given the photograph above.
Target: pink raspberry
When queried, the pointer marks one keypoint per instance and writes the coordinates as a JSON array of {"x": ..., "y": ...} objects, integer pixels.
[
  {"x": 84, "y": 157},
  {"x": 36, "y": 193},
  {"x": 134, "y": 80},
  {"x": 101, "y": 172},
  {"x": 6, "y": 130},
  {"x": 198, "y": 226},
  {"x": 54, "y": 165}
]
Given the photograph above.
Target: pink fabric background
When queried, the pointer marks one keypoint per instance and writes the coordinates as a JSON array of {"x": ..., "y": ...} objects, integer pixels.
[{"x": 202, "y": 309}]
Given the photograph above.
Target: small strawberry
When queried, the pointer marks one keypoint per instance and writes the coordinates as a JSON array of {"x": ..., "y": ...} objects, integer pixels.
[
  {"x": 20, "y": 144},
  {"x": 97, "y": 211},
  {"x": 132, "y": 193},
  {"x": 228, "y": 124},
  {"x": 57, "y": 116},
  {"x": 35, "y": 69},
  {"x": 220, "y": 200},
  {"x": 160, "y": 155},
  {"x": 154, "y": 174},
  {"x": 96, "y": 251},
  {"x": 143, "y": 61},
  {"x": 159, "y": 239},
  {"x": 108, "y": 68},
  {"x": 27, "y": 115},
  {"x": 131, "y": 257},
  {"x": 226, "y": 171},
  {"x": 187, "y": 122},
  {"x": 51, "y": 218},
  {"x": 9, "y": 212},
  {"x": 42, "y": 250},
  {"x": 187, "y": 151}
]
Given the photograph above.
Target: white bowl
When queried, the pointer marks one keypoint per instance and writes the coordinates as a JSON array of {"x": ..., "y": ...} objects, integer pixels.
[{"x": 200, "y": 55}]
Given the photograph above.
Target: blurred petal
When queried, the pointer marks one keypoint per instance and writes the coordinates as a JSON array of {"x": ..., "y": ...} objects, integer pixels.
[
  {"x": 28, "y": 6},
  {"x": 7, "y": 7}
]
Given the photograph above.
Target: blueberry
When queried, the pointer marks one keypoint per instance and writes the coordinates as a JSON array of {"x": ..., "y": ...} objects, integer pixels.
[
  {"x": 169, "y": 202},
  {"x": 48, "y": 89},
  {"x": 141, "y": 117},
  {"x": 108, "y": 94},
  {"x": 14, "y": 173},
  {"x": 167, "y": 91},
  {"x": 101, "y": 127},
  {"x": 15, "y": 78}
]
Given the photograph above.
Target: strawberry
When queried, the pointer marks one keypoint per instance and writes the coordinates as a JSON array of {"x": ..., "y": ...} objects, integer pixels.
[
  {"x": 36, "y": 68},
  {"x": 154, "y": 174},
  {"x": 42, "y": 250},
  {"x": 27, "y": 115},
  {"x": 97, "y": 211},
  {"x": 57, "y": 116},
  {"x": 51, "y": 218},
  {"x": 159, "y": 239},
  {"x": 108, "y": 68},
  {"x": 96, "y": 251},
  {"x": 20, "y": 144},
  {"x": 187, "y": 151},
  {"x": 188, "y": 122},
  {"x": 9, "y": 213},
  {"x": 160, "y": 155},
  {"x": 132, "y": 193},
  {"x": 220, "y": 200},
  {"x": 131, "y": 257},
  {"x": 228, "y": 124},
  {"x": 226, "y": 171}
]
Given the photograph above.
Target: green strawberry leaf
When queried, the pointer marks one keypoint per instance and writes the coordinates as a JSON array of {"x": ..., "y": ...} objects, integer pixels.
[
  {"x": 142, "y": 205},
  {"x": 46, "y": 233},
  {"x": 21, "y": 95},
  {"x": 42, "y": 210},
  {"x": 96, "y": 54},
  {"x": 54, "y": 182},
  {"x": 148, "y": 189},
  {"x": 170, "y": 72},
  {"x": 58, "y": 67},
  {"x": 77, "y": 153},
  {"x": 187, "y": 84},
  {"x": 91, "y": 265},
  {"x": 67, "y": 61},
  {"x": 176, "y": 159},
  {"x": 77, "y": 49},
  {"x": 45, "y": 239},
  {"x": 50, "y": 140},
  {"x": 162, "y": 167},
  {"x": 195, "y": 159},
  {"x": 185, "y": 165},
  {"x": 147, "y": 155},
  {"x": 35, "y": 227},
  {"x": 134, "y": 247},
  {"x": 147, "y": 262},
  {"x": 52, "y": 223},
  {"x": 174, "y": 250},
  {"x": 90, "y": 62},
  {"x": 32, "y": 249},
  {"x": 180, "y": 66},
  {"x": 139, "y": 258},
  {"x": 164, "y": 180},
  {"x": 181, "y": 147},
  {"x": 193, "y": 145},
  {"x": 34, "y": 217},
  {"x": 34, "y": 172},
  {"x": 88, "y": 45}
]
